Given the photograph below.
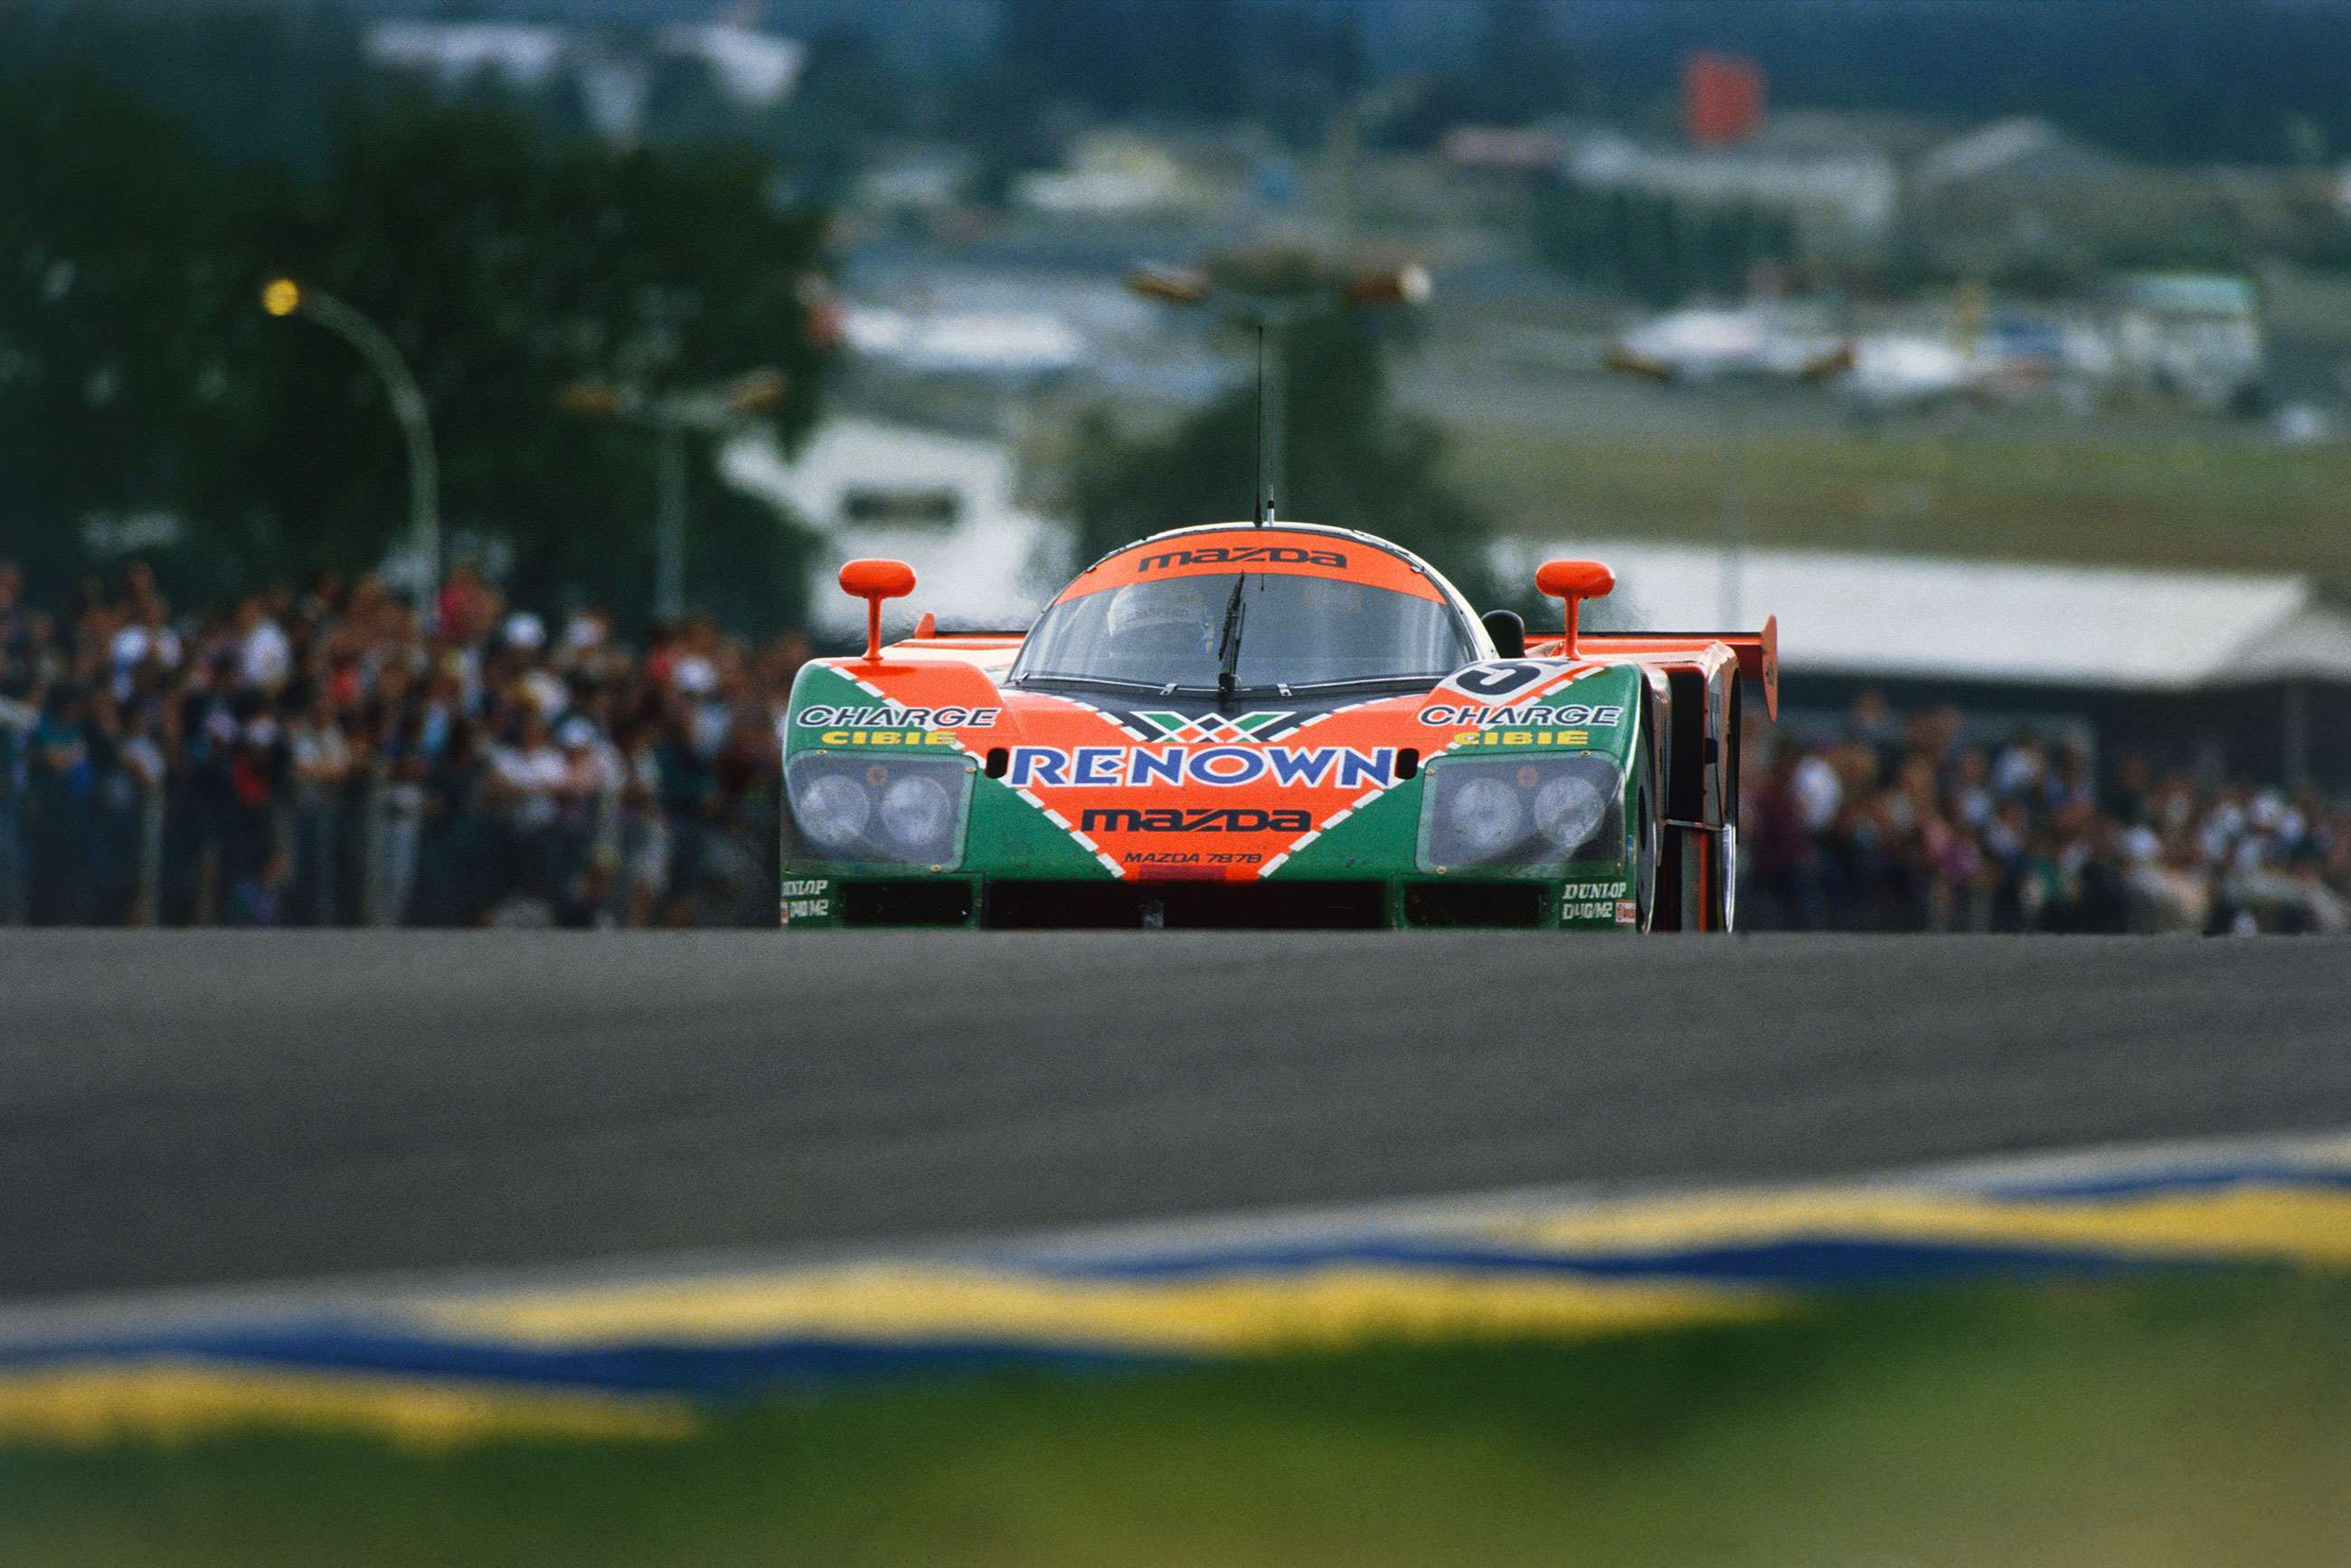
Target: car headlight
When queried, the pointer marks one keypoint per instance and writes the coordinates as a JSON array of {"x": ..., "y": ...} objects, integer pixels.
[
  {"x": 1569, "y": 807},
  {"x": 833, "y": 810},
  {"x": 915, "y": 810},
  {"x": 1534, "y": 813},
  {"x": 907, "y": 811},
  {"x": 1486, "y": 816}
]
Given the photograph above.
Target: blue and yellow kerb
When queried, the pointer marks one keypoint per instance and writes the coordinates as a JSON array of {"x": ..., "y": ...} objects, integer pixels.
[{"x": 643, "y": 1358}]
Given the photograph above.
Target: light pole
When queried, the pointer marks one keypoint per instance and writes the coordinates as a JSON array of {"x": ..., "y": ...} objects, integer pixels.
[
  {"x": 1731, "y": 406},
  {"x": 1272, "y": 314},
  {"x": 672, "y": 417},
  {"x": 283, "y": 297},
  {"x": 1734, "y": 504},
  {"x": 669, "y": 518}
]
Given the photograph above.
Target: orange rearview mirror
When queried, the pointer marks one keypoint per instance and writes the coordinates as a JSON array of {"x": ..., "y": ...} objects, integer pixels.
[
  {"x": 1574, "y": 581},
  {"x": 874, "y": 580}
]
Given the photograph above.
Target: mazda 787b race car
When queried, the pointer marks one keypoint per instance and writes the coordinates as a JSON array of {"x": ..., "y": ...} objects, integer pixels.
[{"x": 1269, "y": 725}]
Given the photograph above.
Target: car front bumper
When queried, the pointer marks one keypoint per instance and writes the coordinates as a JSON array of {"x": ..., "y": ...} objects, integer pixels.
[{"x": 1402, "y": 903}]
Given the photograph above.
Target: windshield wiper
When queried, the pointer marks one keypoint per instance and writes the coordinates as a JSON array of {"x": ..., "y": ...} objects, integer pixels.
[
  {"x": 1062, "y": 678},
  {"x": 1402, "y": 682},
  {"x": 1229, "y": 642}
]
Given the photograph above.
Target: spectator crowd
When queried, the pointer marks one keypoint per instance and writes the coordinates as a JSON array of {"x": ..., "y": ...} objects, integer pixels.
[
  {"x": 1895, "y": 823},
  {"x": 319, "y": 756}
]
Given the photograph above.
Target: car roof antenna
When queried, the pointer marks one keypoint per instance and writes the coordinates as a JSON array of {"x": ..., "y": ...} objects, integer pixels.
[{"x": 1264, "y": 497}]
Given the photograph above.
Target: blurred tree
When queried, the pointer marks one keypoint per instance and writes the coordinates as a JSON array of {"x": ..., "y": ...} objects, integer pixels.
[
  {"x": 1520, "y": 69},
  {"x": 684, "y": 103},
  {"x": 1516, "y": 70},
  {"x": 507, "y": 266},
  {"x": 848, "y": 94},
  {"x": 252, "y": 82},
  {"x": 116, "y": 394},
  {"x": 1056, "y": 64},
  {"x": 1194, "y": 59},
  {"x": 138, "y": 375},
  {"x": 1650, "y": 247}
]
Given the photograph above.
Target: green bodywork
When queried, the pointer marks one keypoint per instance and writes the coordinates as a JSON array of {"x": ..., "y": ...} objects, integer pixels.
[{"x": 1008, "y": 838}]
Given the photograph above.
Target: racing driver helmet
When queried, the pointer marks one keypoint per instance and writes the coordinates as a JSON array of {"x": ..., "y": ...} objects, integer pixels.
[{"x": 1175, "y": 616}]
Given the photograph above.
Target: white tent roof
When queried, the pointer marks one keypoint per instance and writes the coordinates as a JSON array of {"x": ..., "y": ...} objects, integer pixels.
[{"x": 1888, "y": 615}]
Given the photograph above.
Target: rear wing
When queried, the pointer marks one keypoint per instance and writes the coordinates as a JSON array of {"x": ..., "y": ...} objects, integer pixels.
[
  {"x": 958, "y": 638},
  {"x": 926, "y": 634},
  {"x": 1758, "y": 652}
]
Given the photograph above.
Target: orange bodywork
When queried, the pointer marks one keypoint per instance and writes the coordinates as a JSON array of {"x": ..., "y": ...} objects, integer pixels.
[
  {"x": 1086, "y": 767},
  {"x": 1758, "y": 653},
  {"x": 1273, "y": 550},
  {"x": 952, "y": 673}
]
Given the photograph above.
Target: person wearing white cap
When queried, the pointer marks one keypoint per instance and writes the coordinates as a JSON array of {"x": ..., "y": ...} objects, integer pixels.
[
  {"x": 526, "y": 631},
  {"x": 527, "y": 773},
  {"x": 587, "y": 799}
]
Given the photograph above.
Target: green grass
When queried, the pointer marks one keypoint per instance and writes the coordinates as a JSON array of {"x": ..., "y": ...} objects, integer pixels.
[
  {"x": 2177, "y": 495},
  {"x": 2156, "y": 1424}
]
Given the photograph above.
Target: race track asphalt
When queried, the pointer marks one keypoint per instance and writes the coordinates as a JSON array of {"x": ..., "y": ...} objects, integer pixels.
[{"x": 188, "y": 1108}]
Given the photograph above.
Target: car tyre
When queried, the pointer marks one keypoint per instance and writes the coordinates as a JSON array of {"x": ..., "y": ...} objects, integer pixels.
[
  {"x": 1722, "y": 895},
  {"x": 1647, "y": 826}
]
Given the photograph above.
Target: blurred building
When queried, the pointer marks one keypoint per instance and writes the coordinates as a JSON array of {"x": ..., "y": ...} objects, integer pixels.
[
  {"x": 1118, "y": 174},
  {"x": 947, "y": 504},
  {"x": 1012, "y": 346},
  {"x": 1512, "y": 152},
  {"x": 612, "y": 73},
  {"x": 2194, "y": 338},
  {"x": 2013, "y": 160},
  {"x": 2239, "y": 673},
  {"x": 1839, "y": 186},
  {"x": 520, "y": 57},
  {"x": 1722, "y": 99},
  {"x": 927, "y": 178},
  {"x": 2023, "y": 197}
]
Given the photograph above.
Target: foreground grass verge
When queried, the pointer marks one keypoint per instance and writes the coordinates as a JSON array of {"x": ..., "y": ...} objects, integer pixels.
[{"x": 2157, "y": 1422}]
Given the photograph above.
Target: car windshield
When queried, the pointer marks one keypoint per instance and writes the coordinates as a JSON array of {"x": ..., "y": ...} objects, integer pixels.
[{"x": 1278, "y": 629}]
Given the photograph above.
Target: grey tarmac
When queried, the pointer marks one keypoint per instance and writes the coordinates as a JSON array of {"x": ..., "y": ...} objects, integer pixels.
[{"x": 188, "y": 1109}]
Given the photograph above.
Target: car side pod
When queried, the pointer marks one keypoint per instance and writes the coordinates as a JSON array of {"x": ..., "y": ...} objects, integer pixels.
[
  {"x": 874, "y": 580},
  {"x": 1574, "y": 581}
]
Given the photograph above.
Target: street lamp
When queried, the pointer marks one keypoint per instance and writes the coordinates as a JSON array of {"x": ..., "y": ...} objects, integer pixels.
[
  {"x": 1270, "y": 313},
  {"x": 671, "y": 416},
  {"x": 283, "y": 296},
  {"x": 1730, "y": 404}
]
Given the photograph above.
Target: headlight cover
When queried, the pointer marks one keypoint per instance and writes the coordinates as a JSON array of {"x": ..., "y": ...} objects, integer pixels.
[
  {"x": 1534, "y": 812},
  {"x": 871, "y": 810}
]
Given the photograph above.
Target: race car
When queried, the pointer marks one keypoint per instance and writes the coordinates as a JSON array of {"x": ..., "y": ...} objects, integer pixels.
[{"x": 1264, "y": 726}]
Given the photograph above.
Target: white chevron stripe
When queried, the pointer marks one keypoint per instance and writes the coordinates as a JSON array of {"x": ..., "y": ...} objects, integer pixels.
[{"x": 1550, "y": 683}]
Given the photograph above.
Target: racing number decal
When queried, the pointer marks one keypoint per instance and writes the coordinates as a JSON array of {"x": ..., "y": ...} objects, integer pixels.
[{"x": 1498, "y": 677}]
